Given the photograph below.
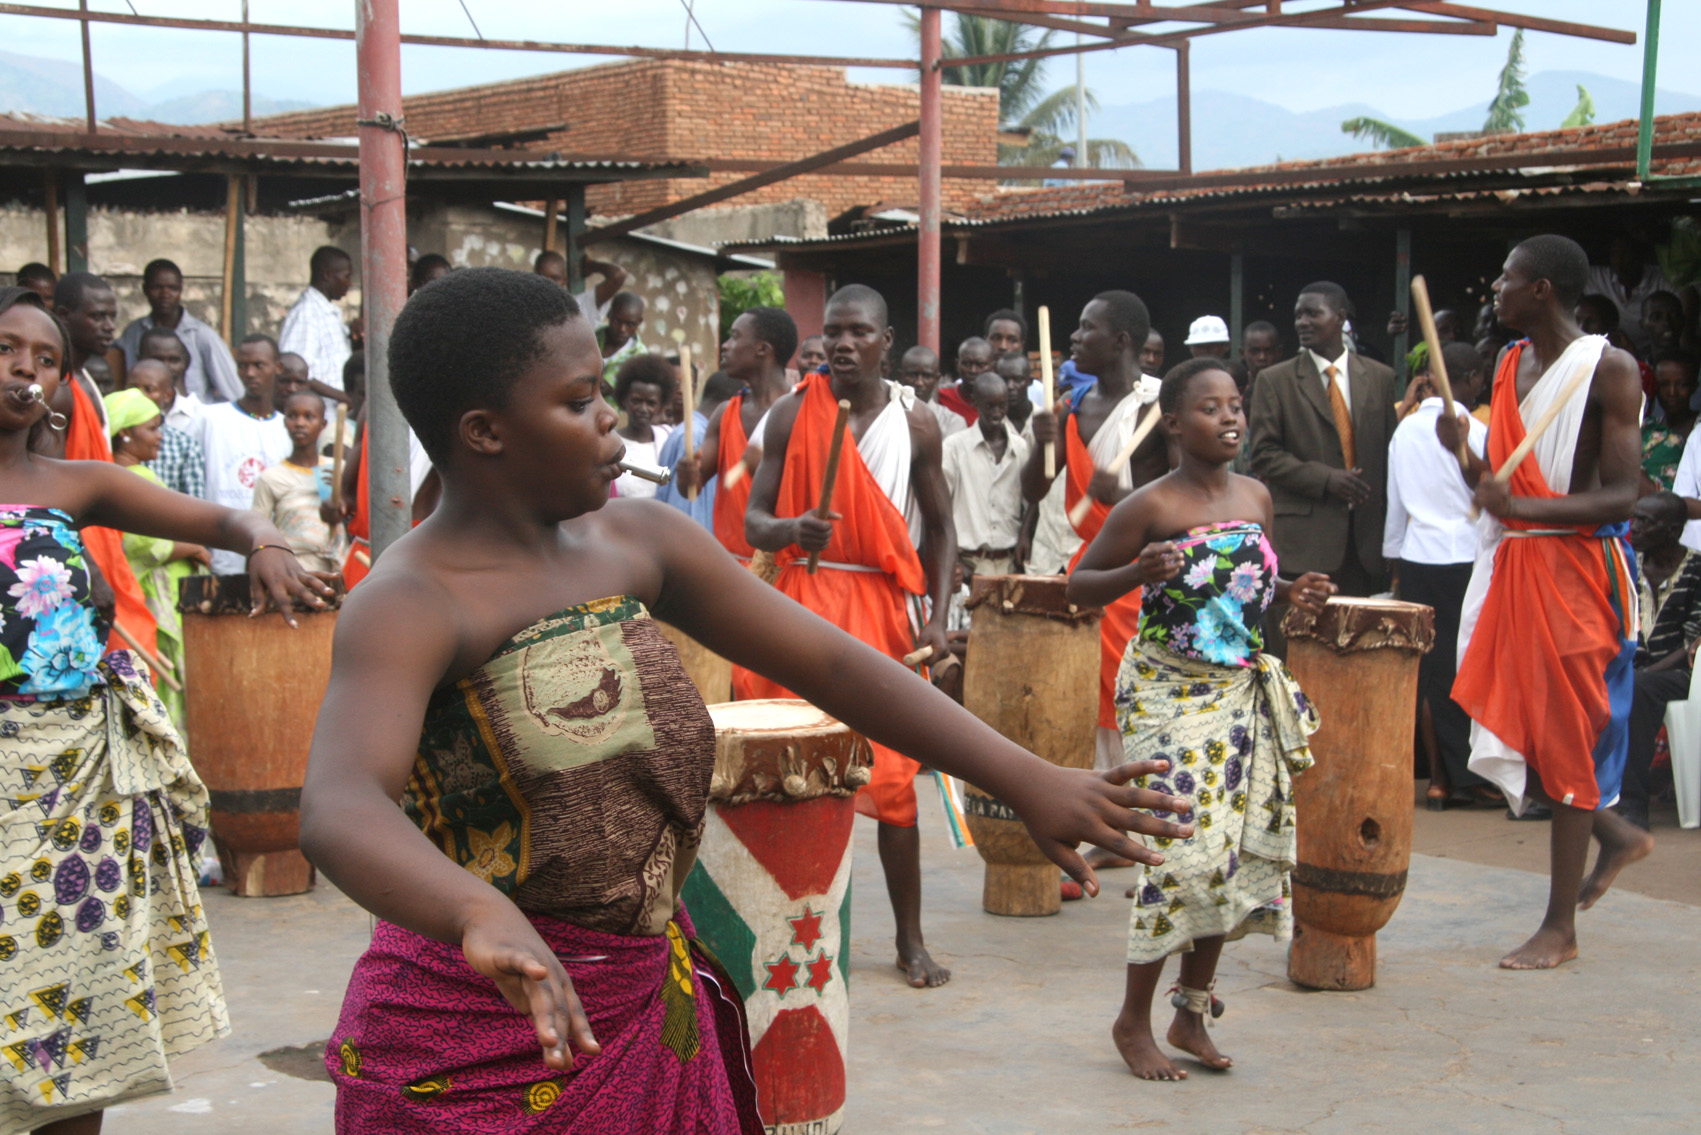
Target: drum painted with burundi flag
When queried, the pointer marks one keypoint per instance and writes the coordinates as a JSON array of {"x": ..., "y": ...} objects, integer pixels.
[{"x": 770, "y": 895}]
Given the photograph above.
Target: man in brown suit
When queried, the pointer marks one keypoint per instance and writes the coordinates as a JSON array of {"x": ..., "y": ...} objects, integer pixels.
[{"x": 1320, "y": 425}]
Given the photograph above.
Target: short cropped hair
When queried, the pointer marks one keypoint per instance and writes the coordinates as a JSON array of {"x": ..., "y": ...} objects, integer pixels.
[
  {"x": 73, "y": 288},
  {"x": 424, "y": 266},
  {"x": 1560, "y": 261},
  {"x": 12, "y": 296},
  {"x": 645, "y": 367},
  {"x": 154, "y": 267},
  {"x": 1686, "y": 359},
  {"x": 626, "y": 300},
  {"x": 260, "y": 337},
  {"x": 158, "y": 334},
  {"x": 1672, "y": 508},
  {"x": 1461, "y": 359},
  {"x": 1333, "y": 293},
  {"x": 1006, "y": 315},
  {"x": 718, "y": 387},
  {"x": 36, "y": 270},
  {"x": 775, "y": 327},
  {"x": 1178, "y": 379},
  {"x": 1602, "y": 306},
  {"x": 462, "y": 342},
  {"x": 548, "y": 256},
  {"x": 324, "y": 258},
  {"x": 1128, "y": 315},
  {"x": 862, "y": 293},
  {"x": 1260, "y": 326}
]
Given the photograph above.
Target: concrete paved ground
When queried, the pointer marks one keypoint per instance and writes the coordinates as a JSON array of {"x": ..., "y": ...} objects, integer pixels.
[{"x": 1019, "y": 1041}]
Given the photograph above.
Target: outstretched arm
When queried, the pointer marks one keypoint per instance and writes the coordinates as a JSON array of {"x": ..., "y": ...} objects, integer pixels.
[
  {"x": 395, "y": 641},
  {"x": 733, "y": 613},
  {"x": 116, "y": 498}
]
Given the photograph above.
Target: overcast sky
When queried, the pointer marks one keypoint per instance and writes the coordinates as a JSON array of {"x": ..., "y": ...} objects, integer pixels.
[{"x": 1405, "y": 76}]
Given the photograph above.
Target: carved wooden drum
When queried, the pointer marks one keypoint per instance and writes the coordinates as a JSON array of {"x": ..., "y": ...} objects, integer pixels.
[
  {"x": 252, "y": 689},
  {"x": 770, "y": 895},
  {"x": 1032, "y": 674},
  {"x": 1358, "y": 663}
]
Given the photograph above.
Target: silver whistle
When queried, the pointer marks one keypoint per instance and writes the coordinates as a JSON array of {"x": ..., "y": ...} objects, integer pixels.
[
  {"x": 660, "y": 474},
  {"x": 29, "y": 394}
]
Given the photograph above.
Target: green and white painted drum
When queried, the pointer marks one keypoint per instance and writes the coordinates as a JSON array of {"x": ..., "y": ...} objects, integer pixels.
[{"x": 770, "y": 895}]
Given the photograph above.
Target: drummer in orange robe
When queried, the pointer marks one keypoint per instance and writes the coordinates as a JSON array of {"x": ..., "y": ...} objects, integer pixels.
[
  {"x": 756, "y": 351},
  {"x": 890, "y": 500},
  {"x": 1095, "y": 424},
  {"x": 89, "y": 310}
]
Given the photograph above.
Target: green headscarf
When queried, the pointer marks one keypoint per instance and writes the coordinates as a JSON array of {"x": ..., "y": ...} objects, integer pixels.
[{"x": 127, "y": 408}]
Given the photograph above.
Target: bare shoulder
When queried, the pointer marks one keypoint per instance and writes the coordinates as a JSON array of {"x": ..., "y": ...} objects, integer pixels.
[
  {"x": 1251, "y": 488},
  {"x": 782, "y": 415},
  {"x": 925, "y": 434},
  {"x": 402, "y": 611}
]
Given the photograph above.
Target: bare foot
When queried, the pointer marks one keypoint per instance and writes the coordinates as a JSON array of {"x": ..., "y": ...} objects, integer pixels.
[
  {"x": 1188, "y": 1033},
  {"x": 1101, "y": 860},
  {"x": 1622, "y": 843},
  {"x": 1545, "y": 950},
  {"x": 1140, "y": 1052},
  {"x": 920, "y": 970}
]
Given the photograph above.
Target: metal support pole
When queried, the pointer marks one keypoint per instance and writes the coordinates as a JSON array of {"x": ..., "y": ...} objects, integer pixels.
[
  {"x": 1183, "y": 108},
  {"x": 76, "y": 222},
  {"x": 383, "y": 259},
  {"x": 932, "y": 147},
  {"x": 50, "y": 207},
  {"x": 575, "y": 242},
  {"x": 247, "y": 85},
  {"x": 1402, "y": 297},
  {"x": 1650, "y": 65},
  {"x": 227, "y": 278},
  {"x": 1237, "y": 297},
  {"x": 551, "y": 210},
  {"x": 88, "y": 71}
]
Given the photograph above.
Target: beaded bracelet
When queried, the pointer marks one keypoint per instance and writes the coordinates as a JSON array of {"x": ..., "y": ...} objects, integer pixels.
[{"x": 249, "y": 558}]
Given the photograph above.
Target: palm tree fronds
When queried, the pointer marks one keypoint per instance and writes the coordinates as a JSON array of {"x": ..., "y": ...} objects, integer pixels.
[
  {"x": 1383, "y": 135},
  {"x": 1583, "y": 113}
]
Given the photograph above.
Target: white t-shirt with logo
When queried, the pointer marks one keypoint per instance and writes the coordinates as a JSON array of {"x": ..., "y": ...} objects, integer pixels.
[{"x": 239, "y": 448}]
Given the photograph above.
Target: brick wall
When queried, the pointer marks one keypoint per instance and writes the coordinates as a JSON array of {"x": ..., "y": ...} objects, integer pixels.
[{"x": 670, "y": 109}]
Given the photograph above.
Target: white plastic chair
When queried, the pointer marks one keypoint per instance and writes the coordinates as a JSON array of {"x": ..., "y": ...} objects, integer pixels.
[{"x": 1683, "y": 732}]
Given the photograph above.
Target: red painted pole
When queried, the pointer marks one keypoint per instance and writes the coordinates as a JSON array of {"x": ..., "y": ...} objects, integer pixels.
[
  {"x": 383, "y": 259},
  {"x": 932, "y": 148}
]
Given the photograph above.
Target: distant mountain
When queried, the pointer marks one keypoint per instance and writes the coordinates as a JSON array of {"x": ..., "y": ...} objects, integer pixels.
[
  {"x": 55, "y": 87},
  {"x": 1230, "y": 130}
]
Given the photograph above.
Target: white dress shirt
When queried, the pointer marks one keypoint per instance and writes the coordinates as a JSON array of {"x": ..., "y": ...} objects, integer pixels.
[
  {"x": 314, "y": 330},
  {"x": 1340, "y": 366},
  {"x": 986, "y": 493},
  {"x": 1429, "y": 505},
  {"x": 187, "y": 414},
  {"x": 950, "y": 422},
  {"x": 1687, "y": 483}
]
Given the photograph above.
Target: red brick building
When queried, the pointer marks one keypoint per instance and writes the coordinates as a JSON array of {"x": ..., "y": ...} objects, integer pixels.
[{"x": 668, "y": 109}]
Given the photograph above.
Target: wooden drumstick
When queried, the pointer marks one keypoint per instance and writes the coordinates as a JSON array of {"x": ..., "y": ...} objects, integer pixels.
[
  {"x": 688, "y": 418},
  {"x": 825, "y": 508},
  {"x": 1149, "y": 423},
  {"x": 1437, "y": 365},
  {"x": 917, "y": 657},
  {"x": 741, "y": 468},
  {"x": 1048, "y": 383},
  {"x": 147, "y": 656}
]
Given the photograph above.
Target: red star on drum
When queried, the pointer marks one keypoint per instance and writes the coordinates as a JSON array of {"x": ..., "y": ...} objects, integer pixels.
[
  {"x": 820, "y": 972},
  {"x": 782, "y": 975},
  {"x": 805, "y": 929}
]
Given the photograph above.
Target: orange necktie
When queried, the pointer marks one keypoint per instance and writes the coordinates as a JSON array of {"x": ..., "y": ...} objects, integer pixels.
[{"x": 1343, "y": 418}]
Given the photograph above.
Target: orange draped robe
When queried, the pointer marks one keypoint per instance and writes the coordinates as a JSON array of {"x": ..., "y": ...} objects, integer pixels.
[
  {"x": 1549, "y": 666},
  {"x": 870, "y": 605},
  {"x": 86, "y": 440},
  {"x": 1121, "y": 618},
  {"x": 731, "y": 503},
  {"x": 360, "y": 524}
]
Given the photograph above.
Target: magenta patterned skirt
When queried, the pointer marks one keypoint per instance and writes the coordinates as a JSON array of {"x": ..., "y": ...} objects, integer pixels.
[{"x": 426, "y": 1044}]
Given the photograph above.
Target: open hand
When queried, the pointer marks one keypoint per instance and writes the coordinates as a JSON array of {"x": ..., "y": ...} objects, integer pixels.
[
  {"x": 507, "y": 949},
  {"x": 276, "y": 580},
  {"x": 1073, "y": 806}
]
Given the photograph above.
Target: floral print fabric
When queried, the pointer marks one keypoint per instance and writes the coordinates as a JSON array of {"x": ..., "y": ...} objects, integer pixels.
[
  {"x": 49, "y": 640},
  {"x": 1662, "y": 449},
  {"x": 1214, "y": 610}
]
